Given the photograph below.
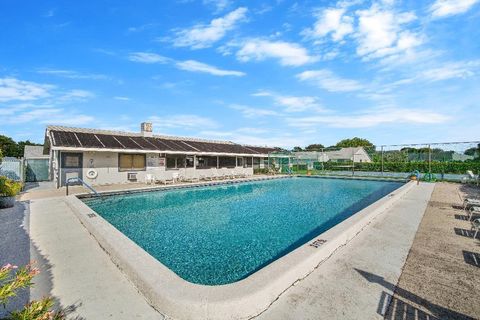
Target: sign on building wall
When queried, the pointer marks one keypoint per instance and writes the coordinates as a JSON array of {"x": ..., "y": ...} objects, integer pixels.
[{"x": 153, "y": 161}]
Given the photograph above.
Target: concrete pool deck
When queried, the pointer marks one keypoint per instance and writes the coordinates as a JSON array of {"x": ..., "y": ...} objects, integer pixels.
[
  {"x": 351, "y": 284},
  {"x": 347, "y": 285},
  {"x": 441, "y": 278}
]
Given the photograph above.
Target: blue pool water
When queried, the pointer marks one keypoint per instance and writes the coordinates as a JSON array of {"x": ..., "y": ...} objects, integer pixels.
[{"x": 221, "y": 234}]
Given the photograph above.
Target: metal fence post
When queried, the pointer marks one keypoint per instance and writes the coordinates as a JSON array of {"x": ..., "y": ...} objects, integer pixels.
[
  {"x": 429, "y": 160},
  {"x": 353, "y": 161},
  {"x": 382, "y": 159}
]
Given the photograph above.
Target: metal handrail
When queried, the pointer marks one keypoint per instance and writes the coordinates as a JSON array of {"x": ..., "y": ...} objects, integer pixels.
[{"x": 83, "y": 183}]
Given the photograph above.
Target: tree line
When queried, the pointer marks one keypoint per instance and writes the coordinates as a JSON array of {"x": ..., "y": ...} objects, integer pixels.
[
  {"x": 345, "y": 143},
  {"x": 392, "y": 155},
  {"x": 11, "y": 148}
]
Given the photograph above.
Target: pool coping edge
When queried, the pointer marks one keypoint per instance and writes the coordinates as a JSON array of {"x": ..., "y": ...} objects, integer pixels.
[{"x": 178, "y": 298}]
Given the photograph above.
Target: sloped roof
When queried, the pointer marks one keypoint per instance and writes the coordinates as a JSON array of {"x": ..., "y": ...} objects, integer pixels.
[
  {"x": 82, "y": 138},
  {"x": 31, "y": 152},
  {"x": 343, "y": 153}
]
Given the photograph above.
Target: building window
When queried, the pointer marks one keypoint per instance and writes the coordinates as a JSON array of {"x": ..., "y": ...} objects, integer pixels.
[
  {"x": 227, "y": 162},
  {"x": 206, "y": 162},
  {"x": 256, "y": 163},
  {"x": 71, "y": 161},
  {"x": 239, "y": 162},
  {"x": 189, "y": 161},
  {"x": 131, "y": 162},
  {"x": 179, "y": 161},
  {"x": 171, "y": 162},
  {"x": 248, "y": 162}
]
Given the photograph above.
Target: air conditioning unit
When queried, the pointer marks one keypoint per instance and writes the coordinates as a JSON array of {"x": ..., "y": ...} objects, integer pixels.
[{"x": 132, "y": 176}]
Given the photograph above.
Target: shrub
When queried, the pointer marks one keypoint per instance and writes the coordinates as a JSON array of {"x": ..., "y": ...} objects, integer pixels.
[
  {"x": 456, "y": 167},
  {"x": 13, "y": 279},
  {"x": 8, "y": 187}
]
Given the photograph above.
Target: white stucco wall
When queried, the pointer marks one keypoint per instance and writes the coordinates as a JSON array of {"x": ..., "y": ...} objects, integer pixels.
[{"x": 106, "y": 165}]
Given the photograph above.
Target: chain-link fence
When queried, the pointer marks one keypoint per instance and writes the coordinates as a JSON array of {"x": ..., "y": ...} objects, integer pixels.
[{"x": 458, "y": 161}]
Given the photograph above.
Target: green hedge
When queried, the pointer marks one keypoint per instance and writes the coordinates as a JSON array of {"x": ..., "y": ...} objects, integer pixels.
[{"x": 422, "y": 166}]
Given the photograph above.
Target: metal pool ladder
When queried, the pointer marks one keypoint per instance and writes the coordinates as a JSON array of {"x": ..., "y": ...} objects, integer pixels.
[{"x": 76, "y": 179}]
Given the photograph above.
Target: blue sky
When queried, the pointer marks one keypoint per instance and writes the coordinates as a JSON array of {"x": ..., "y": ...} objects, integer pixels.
[{"x": 280, "y": 73}]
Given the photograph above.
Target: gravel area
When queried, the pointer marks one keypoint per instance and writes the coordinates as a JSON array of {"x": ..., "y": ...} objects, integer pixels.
[{"x": 441, "y": 277}]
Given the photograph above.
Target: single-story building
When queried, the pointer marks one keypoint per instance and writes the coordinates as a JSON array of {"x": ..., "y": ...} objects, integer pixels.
[
  {"x": 355, "y": 154},
  {"x": 36, "y": 164},
  {"x": 107, "y": 157}
]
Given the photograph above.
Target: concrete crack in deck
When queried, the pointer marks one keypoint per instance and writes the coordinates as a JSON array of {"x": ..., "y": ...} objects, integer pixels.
[
  {"x": 323, "y": 261},
  {"x": 337, "y": 288}
]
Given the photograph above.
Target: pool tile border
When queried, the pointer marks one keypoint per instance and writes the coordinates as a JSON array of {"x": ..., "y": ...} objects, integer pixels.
[{"x": 178, "y": 298}]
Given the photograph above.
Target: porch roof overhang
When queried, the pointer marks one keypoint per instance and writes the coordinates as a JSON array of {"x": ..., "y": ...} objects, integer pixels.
[{"x": 198, "y": 153}]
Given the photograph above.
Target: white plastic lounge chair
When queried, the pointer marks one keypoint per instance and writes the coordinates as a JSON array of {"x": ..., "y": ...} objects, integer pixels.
[
  {"x": 149, "y": 178},
  {"x": 191, "y": 179},
  {"x": 473, "y": 210},
  {"x": 164, "y": 181},
  {"x": 470, "y": 177},
  {"x": 175, "y": 177},
  {"x": 242, "y": 175},
  {"x": 476, "y": 227},
  {"x": 216, "y": 175},
  {"x": 469, "y": 202},
  {"x": 221, "y": 175},
  {"x": 235, "y": 175},
  {"x": 207, "y": 177}
]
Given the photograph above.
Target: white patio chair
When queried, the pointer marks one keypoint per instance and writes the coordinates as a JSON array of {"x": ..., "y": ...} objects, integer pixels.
[
  {"x": 207, "y": 177},
  {"x": 175, "y": 177},
  {"x": 470, "y": 176},
  {"x": 149, "y": 178},
  {"x": 191, "y": 179},
  {"x": 473, "y": 211},
  {"x": 469, "y": 202},
  {"x": 220, "y": 175},
  {"x": 164, "y": 180},
  {"x": 476, "y": 227}
]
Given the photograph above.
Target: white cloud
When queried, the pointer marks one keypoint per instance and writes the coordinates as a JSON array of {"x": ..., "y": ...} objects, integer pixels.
[
  {"x": 288, "y": 53},
  {"x": 196, "y": 66},
  {"x": 447, "y": 70},
  {"x": 187, "y": 65},
  {"x": 43, "y": 114},
  {"x": 381, "y": 32},
  {"x": 204, "y": 36},
  {"x": 252, "y": 112},
  {"x": 141, "y": 28},
  {"x": 451, "y": 71},
  {"x": 184, "y": 121},
  {"x": 331, "y": 21},
  {"x": 293, "y": 103},
  {"x": 45, "y": 106},
  {"x": 76, "y": 94},
  {"x": 121, "y": 98},
  {"x": 147, "y": 57},
  {"x": 257, "y": 137},
  {"x": 12, "y": 89},
  {"x": 445, "y": 8},
  {"x": 372, "y": 118},
  {"x": 327, "y": 80},
  {"x": 219, "y": 5},
  {"x": 70, "y": 74}
]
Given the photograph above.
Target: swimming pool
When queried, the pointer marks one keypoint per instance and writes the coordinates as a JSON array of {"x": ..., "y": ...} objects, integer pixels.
[{"x": 221, "y": 234}]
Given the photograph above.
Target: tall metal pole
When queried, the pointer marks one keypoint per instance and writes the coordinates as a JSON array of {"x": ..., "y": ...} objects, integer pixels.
[
  {"x": 382, "y": 160},
  {"x": 353, "y": 161},
  {"x": 429, "y": 159}
]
